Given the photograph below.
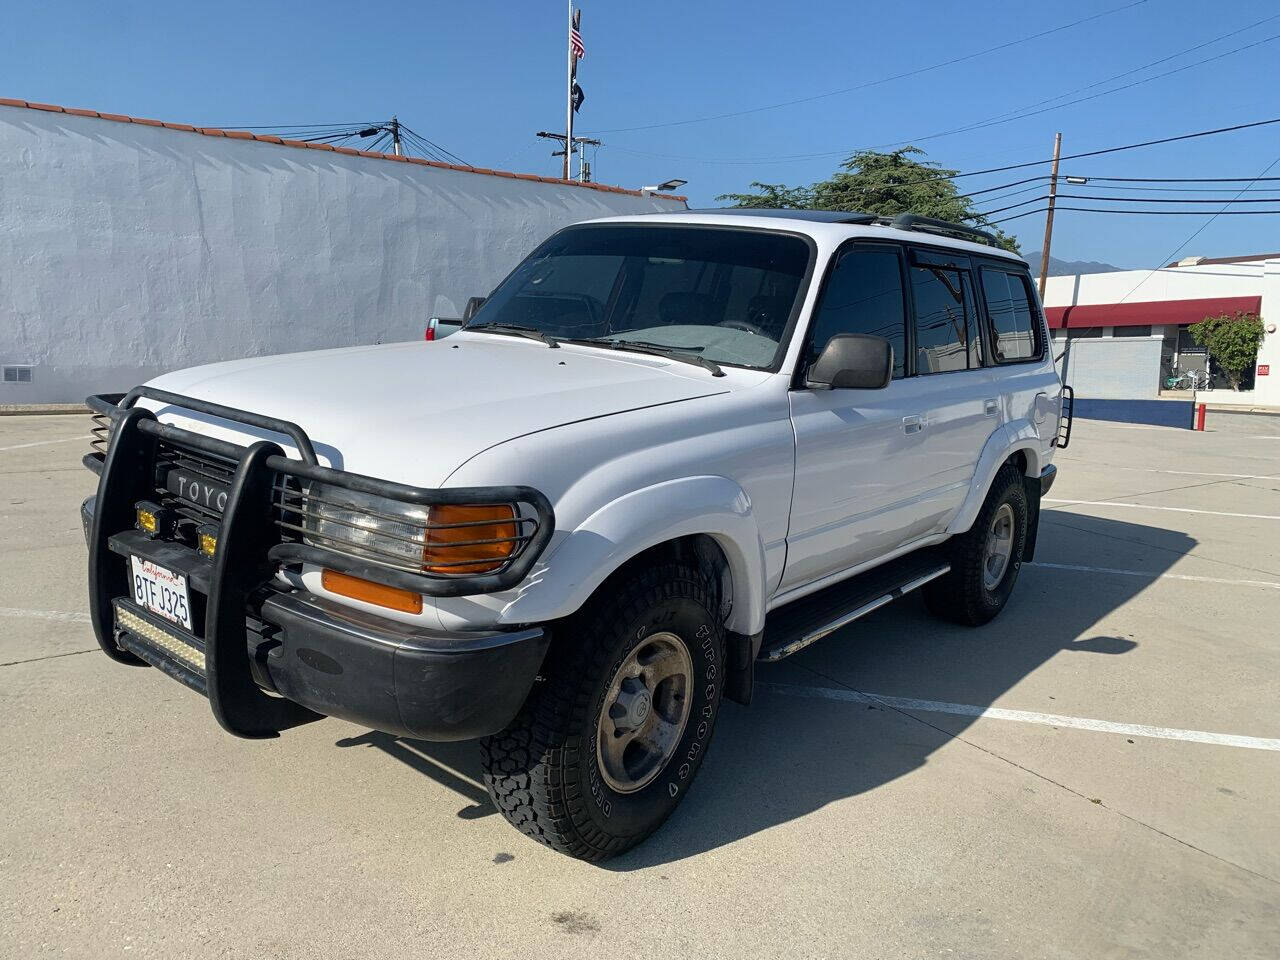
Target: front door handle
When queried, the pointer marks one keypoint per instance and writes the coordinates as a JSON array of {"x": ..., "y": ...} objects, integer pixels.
[
  {"x": 912, "y": 424},
  {"x": 991, "y": 408}
]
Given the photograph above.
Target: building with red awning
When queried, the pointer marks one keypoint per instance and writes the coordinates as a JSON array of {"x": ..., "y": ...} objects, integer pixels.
[{"x": 1129, "y": 332}]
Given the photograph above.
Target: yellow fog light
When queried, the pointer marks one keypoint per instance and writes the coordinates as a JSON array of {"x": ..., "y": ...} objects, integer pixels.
[
  {"x": 152, "y": 519},
  {"x": 147, "y": 521},
  {"x": 207, "y": 541}
]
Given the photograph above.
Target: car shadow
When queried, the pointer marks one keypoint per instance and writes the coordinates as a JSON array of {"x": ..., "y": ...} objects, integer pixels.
[{"x": 799, "y": 746}]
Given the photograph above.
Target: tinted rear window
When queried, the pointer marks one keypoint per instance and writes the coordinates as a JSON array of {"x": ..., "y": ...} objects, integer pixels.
[{"x": 1013, "y": 318}]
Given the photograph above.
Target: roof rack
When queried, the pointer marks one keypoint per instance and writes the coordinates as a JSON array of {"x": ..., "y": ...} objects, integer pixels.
[
  {"x": 903, "y": 221},
  {"x": 912, "y": 221},
  {"x": 815, "y": 216}
]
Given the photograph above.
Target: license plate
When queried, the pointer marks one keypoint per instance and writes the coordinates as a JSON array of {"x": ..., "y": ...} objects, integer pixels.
[{"x": 161, "y": 591}]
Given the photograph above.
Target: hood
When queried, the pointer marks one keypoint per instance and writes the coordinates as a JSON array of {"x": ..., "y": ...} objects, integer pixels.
[{"x": 414, "y": 412}]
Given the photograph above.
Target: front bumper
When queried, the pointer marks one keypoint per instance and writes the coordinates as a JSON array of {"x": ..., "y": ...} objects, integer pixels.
[
  {"x": 382, "y": 674},
  {"x": 339, "y": 662}
]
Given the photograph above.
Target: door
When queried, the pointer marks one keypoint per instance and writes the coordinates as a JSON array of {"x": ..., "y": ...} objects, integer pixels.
[{"x": 876, "y": 469}]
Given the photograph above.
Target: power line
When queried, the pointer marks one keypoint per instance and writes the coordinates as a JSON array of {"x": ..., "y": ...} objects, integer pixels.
[
  {"x": 1085, "y": 196},
  {"x": 283, "y": 126},
  {"x": 1130, "y": 186},
  {"x": 1023, "y": 113},
  {"x": 1094, "y": 153},
  {"x": 1015, "y": 183},
  {"x": 1145, "y": 213},
  {"x": 983, "y": 214},
  {"x": 1250, "y": 180},
  {"x": 1019, "y": 113},
  {"x": 871, "y": 83},
  {"x": 1011, "y": 193},
  {"x": 1200, "y": 229}
]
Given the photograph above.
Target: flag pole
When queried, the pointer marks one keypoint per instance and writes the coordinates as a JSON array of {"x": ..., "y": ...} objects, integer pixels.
[{"x": 568, "y": 121}]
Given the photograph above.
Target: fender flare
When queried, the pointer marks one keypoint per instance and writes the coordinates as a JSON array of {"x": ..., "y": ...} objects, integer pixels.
[
  {"x": 623, "y": 528},
  {"x": 1017, "y": 435}
]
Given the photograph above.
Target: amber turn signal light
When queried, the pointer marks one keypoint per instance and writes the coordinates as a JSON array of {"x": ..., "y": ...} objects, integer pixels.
[
  {"x": 469, "y": 539},
  {"x": 393, "y": 598}
]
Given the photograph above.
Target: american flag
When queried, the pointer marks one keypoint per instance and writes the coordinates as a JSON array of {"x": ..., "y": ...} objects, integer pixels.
[{"x": 575, "y": 43}]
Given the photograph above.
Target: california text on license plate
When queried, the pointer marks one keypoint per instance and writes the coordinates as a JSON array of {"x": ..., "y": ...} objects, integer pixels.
[{"x": 161, "y": 591}]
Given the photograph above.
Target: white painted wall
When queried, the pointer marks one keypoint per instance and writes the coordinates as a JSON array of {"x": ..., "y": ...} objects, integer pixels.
[
  {"x": 128, "y": 250},
  {"x": 1266, "y": 390},
  {"x": 1143, "y": 286}
]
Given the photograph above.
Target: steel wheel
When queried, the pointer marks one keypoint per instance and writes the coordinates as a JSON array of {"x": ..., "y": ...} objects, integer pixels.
[
  {"x": 645, "y": 712},
  {"x": 995, "y": 559}
]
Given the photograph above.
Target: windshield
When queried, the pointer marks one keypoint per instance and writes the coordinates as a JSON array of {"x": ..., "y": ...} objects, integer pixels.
[{"x": 724, "y": 294}]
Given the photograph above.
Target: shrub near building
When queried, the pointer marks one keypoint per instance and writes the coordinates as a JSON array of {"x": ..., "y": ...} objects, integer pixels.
[{"x": 1232, "y": 341}]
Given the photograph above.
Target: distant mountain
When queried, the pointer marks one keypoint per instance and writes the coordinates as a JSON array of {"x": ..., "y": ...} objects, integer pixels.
[{"x": 1062, "y": 268}]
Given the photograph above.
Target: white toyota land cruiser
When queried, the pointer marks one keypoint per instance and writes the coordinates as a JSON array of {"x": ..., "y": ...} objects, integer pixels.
[{"x": 664, "y": 448}]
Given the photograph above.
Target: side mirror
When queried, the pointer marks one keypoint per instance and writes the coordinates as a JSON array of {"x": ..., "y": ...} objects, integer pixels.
[
  {"x": 852, "y": 361},
  {"x": 473, "y": 304}
]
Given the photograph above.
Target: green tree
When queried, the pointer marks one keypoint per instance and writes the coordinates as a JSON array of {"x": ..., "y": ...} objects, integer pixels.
[
  {"x": 886, "y": 184},
  {"x": 1232, "y": 341}
]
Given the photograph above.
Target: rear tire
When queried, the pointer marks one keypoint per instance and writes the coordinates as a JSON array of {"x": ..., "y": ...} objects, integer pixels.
[
  {"x": 616, "y": 729},
  {"x": 985, "y": 560}
]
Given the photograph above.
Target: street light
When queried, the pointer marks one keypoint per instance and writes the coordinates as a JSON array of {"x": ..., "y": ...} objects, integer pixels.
[
  {"x": 664, "y": 186},
  {"x": 1078, "y": 181}
]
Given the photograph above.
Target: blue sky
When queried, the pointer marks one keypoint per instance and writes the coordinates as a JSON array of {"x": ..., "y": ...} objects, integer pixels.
[{"x": 481, "y": 77}]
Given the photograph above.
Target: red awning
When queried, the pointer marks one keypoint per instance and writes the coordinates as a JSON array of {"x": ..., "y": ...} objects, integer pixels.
[{"x": 1181, "y": 312}]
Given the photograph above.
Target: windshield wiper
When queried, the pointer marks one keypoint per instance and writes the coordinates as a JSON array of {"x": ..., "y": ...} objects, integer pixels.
[
  {"x": 664, "y": 346},
  {"x": 657, "y": 350},
  {"x": 515, "y": 330}
]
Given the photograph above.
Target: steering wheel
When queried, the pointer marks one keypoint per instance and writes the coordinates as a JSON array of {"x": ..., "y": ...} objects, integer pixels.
[{"x": 743, "y": 325}]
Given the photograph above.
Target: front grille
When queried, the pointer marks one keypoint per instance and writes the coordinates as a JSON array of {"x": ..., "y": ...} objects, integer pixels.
[{"x": 199, "y": 467}]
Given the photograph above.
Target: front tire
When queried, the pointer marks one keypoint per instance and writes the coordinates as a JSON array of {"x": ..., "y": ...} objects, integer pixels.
[
  {"x": 616, "y": 729},
  {"x": 986, "y": 559}
]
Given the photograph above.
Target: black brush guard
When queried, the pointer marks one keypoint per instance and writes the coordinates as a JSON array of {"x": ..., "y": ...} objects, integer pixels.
[{"x": 250, "y": 544}]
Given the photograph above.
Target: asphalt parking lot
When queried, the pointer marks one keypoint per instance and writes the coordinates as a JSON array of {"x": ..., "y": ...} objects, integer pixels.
[{"x": 1096, "y": 774}]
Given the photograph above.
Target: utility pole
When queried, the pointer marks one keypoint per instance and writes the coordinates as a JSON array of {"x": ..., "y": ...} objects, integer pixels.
[
  {"x": 1048, "y": 222},
  {"x": 578, "y": 145},
  {"x": 395, "y": 137}
]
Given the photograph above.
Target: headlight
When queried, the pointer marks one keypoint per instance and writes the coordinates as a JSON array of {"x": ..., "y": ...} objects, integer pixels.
[
  {"x": 444, "y": 540},
  {"x": 370, "y": 526}
]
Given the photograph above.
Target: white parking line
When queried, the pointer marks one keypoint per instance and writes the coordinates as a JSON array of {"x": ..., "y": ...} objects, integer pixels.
[
  {"x": 1025, "y": 716},
  {"x": 1154, "y": 576},
  {"x": 54, "y": 615},
  {"x": 1177, "y": 473},
  {"x": 1148, "y": 506},
  {"x": 41, "y": 443}
]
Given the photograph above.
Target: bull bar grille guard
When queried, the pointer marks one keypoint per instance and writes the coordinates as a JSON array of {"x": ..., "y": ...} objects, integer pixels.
[
  {"x": 250, "y": 549},
  {"x": 290, "y": 484}
]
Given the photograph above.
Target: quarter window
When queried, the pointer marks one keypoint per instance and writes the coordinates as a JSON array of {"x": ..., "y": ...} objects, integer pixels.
[
  {"x": 946, "y": 331},
  {"x": 863, "y": 295},
  {"x": 1013, "y": 318}
]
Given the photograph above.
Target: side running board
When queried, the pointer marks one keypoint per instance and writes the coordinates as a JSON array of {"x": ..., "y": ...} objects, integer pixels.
[{"x": 793, "y": 627}]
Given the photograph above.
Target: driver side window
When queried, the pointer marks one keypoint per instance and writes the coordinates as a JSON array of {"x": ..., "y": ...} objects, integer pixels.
[{"x": 863, "y": 295}]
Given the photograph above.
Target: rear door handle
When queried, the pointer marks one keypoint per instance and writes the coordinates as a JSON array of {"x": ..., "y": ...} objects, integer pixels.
[
  {"x": 991, "y": 408},
  {"x": 912, "y": 424}
]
